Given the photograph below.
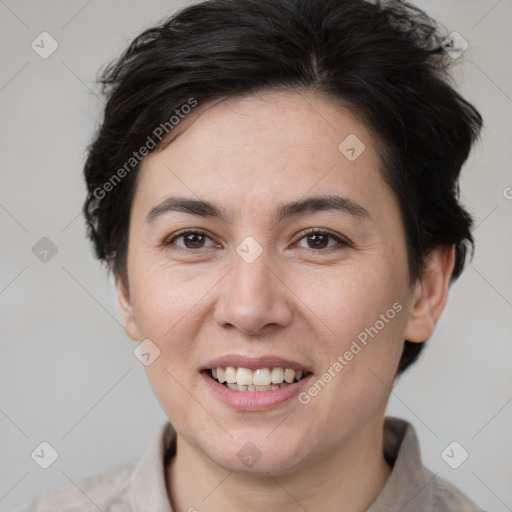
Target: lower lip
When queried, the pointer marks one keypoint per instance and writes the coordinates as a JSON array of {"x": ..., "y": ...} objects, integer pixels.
[{"x": 254, "y": 400}]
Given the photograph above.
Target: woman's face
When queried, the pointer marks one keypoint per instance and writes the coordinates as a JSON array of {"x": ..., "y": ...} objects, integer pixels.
[{"x": 253, "y": 290}]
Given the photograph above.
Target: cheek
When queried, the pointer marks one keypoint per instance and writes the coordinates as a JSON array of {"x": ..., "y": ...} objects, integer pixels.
[
  {"x": 363, "y": 353},
  {"x": 365, "y": 311},
  {"x": 165, "y": 297},
  {"x": 352, "y": 298},
  {"x": 168, "y": 308}
]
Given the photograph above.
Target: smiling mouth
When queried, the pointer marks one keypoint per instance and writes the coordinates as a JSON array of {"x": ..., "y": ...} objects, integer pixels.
[{"x": 262, "y": 379}]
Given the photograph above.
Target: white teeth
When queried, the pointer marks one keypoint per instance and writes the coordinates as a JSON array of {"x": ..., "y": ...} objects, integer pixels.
[
  {"x": 244, "y": 377},
  {"x": 262, "y": 379},
  {"x": 230, "y": 375},
  {"x": 277, "y": 375},
  {"x": 289, "y": 375},
  {"x": 221, "y": 375}
]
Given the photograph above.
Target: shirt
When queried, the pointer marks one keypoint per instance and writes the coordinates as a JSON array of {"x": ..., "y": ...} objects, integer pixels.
[{"x": 142, "y": 487}]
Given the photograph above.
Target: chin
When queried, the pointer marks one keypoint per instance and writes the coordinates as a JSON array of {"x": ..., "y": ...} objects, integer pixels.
[{"x": 257, "y": 454}]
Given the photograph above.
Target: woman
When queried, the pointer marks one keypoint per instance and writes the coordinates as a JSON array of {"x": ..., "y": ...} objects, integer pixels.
[{"x": 274, "y": 186}]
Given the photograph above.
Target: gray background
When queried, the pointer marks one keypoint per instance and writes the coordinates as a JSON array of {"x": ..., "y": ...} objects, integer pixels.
[{"x": 67, "y": 372}]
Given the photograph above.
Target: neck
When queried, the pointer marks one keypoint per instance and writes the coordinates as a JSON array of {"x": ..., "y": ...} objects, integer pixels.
[{"x": 352, "y": 475}]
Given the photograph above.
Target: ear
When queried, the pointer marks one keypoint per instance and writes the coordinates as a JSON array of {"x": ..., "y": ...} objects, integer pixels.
[
  {"x": 430, "y": 294},
  {"x": 126, "y": 308}
]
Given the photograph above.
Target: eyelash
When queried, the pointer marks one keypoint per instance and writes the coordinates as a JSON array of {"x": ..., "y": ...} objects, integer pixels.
[{"x": 311, "y": 231}]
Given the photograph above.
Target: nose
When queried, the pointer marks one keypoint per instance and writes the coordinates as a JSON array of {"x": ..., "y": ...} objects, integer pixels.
[{"x": 254, "y": 297}]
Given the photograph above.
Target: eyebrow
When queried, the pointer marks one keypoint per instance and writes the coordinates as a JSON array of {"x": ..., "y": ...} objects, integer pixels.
[{"x": 202, "y": 208}]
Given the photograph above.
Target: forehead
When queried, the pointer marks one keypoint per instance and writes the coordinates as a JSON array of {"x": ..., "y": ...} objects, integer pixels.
[
  {"x": 266, "y": 145},
  {"x": 269, "y": 121}
]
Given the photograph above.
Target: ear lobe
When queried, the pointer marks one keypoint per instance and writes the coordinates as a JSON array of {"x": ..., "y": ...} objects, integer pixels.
[
  {"x": 430, "y": 294},
  {"x": 126, "y": 308}
]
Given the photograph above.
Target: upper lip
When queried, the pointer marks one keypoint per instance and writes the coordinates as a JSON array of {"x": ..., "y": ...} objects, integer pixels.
[{"x": 253, "y": 363}]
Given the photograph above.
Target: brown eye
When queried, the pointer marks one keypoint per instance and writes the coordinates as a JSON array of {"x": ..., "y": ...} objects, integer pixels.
[
  {"x": 317, "y": 239},
  {"x": 193, "y": 240},
  {"x": 190, "y": 240}
]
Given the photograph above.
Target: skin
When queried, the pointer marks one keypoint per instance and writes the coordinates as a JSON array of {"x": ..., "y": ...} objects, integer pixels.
[{"x": 249, "y": 155}]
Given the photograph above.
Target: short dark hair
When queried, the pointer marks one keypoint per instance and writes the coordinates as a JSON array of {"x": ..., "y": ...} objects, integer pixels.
[{"x": 384, "y": 59}]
